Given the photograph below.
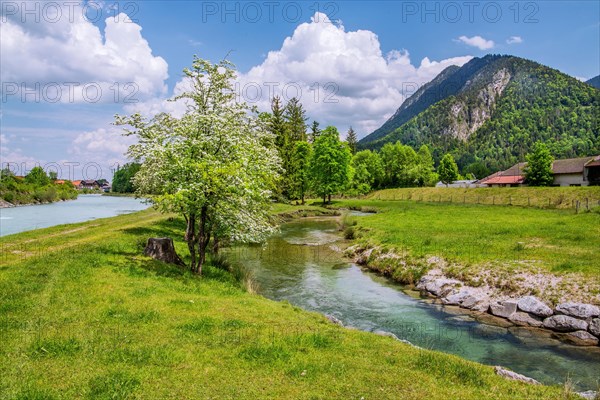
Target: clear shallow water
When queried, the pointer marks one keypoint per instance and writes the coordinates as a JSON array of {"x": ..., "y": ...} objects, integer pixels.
[
  {"x": 299, "y": 265},
  {"x": 85, "y": 208}
]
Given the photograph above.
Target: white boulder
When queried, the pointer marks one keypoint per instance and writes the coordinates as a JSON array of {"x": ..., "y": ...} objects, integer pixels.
[
  {"x": 533, "y": 305},
  {"x": 564, "y": 323},
  {"x": 579, "y": 310}
]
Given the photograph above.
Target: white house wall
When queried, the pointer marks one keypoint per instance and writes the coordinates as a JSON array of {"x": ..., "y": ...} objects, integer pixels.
[{"x": 569, "y": 179}]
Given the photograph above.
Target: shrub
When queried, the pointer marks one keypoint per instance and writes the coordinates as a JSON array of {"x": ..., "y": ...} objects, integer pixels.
[
  {"x": 10, "y": 197},
  {"x": 349, "y": 233}
]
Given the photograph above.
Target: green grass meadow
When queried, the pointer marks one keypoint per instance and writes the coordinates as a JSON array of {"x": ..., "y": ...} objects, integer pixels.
[
  {"x": 556, "y": 241},
  {"x": 83, "y": 315},
  {"x": 573, "y": 198}
]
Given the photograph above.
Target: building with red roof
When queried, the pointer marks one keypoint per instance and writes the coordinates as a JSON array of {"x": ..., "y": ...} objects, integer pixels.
[{"x": 583, "y": 171}]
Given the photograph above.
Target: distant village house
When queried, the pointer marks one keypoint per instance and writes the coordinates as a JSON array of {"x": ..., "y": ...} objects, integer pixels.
[
  {"x": 86, "y": 184},
  {"x": 584, "y": 171},
  {"x": 461, "y": 184}
]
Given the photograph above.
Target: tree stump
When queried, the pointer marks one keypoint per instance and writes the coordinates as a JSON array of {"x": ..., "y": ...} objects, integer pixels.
[{"x": 162, "y": 249}]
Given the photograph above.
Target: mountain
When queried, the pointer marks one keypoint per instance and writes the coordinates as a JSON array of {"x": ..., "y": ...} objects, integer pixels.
[
  {"x": 424, "y": 97},
  {"x": 446, "y": 84},
  {"x": 595, "y": 82},
  {"x": 490, "y": 112}
]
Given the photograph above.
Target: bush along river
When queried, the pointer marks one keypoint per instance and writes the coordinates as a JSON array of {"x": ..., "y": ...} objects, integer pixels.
[
  {"x": 85, "y": 208},
  {"x": 304, "y": 265}
]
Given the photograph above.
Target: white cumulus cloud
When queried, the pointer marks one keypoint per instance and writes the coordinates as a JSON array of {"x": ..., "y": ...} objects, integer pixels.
[
  {"x": 102, "y": 147},
  {"x": 75, "y": 52},
  {"x": 341, "y": 77},
  {"x": 477, "y": 41},
  {"x": 514, "y": 40}
]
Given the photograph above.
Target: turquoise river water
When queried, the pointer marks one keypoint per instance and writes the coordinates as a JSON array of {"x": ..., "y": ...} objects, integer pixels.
[
  {"x": 85, "y": 208},
  {"x": 302, "y": 265}
]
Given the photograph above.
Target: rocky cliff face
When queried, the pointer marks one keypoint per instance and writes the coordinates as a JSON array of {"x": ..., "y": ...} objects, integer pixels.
[
  {"x": 442, "y": 86},
  {"x": 466, "y": 118},
  {"x": 449, "y": 82}
]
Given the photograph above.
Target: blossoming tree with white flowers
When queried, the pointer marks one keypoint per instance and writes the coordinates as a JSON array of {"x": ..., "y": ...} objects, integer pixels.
[{"x": 216, "y": 165}]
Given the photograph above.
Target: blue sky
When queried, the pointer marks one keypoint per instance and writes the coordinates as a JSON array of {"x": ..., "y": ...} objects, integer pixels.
[{"x": 353, "y": 63}]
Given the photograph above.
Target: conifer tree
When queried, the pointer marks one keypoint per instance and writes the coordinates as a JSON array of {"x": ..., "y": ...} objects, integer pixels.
[
  {"x": 295, "y": 116},
  {"x": 314, "y": 132},
  {"x": 352, "y": 140}
]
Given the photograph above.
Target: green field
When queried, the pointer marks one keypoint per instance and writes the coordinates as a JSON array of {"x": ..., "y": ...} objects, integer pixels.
[
  {"x": 558, "y": 241},
  {"x": 85, "y": 316},
  {"x": 574, "y": 198},
  {"x": 486, "y": 243}
]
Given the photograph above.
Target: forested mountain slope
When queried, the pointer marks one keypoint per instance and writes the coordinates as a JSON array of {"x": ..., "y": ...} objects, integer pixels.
[{"x": 505, "y": 105}]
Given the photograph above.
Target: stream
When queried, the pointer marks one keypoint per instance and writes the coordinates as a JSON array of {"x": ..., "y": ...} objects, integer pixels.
[{"x": 303, "y": 265}]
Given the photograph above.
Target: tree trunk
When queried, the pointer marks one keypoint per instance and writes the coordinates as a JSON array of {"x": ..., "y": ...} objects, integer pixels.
[
  {"x": 215, "y": 248},
  {"x": 202, "y": 239},
  {"x": 324, "y": 199},
  {"x": 329, "y": 198},
  {"x": 191, "y": 239},
  {"x": 203, "y": 247},
  {"x": 162, "y": 249}
]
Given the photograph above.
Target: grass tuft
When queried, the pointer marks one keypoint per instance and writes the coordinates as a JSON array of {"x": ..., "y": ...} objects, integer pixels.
[
  {"x": 199, "y": 326},
  {"x": 265, "y": 353},
  {"x": 462, "y": 373},
  {"x": 34, "y": 393},
  {"x": 56, "y": 347},
  {"x": 113, "y": 386}
]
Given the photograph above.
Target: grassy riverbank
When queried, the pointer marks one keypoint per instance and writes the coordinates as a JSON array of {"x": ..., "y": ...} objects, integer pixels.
[
  {"x": 84, "y": 315},
  {"x": 487, "y": 241},
  {"x": 15, "y": 192}
]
